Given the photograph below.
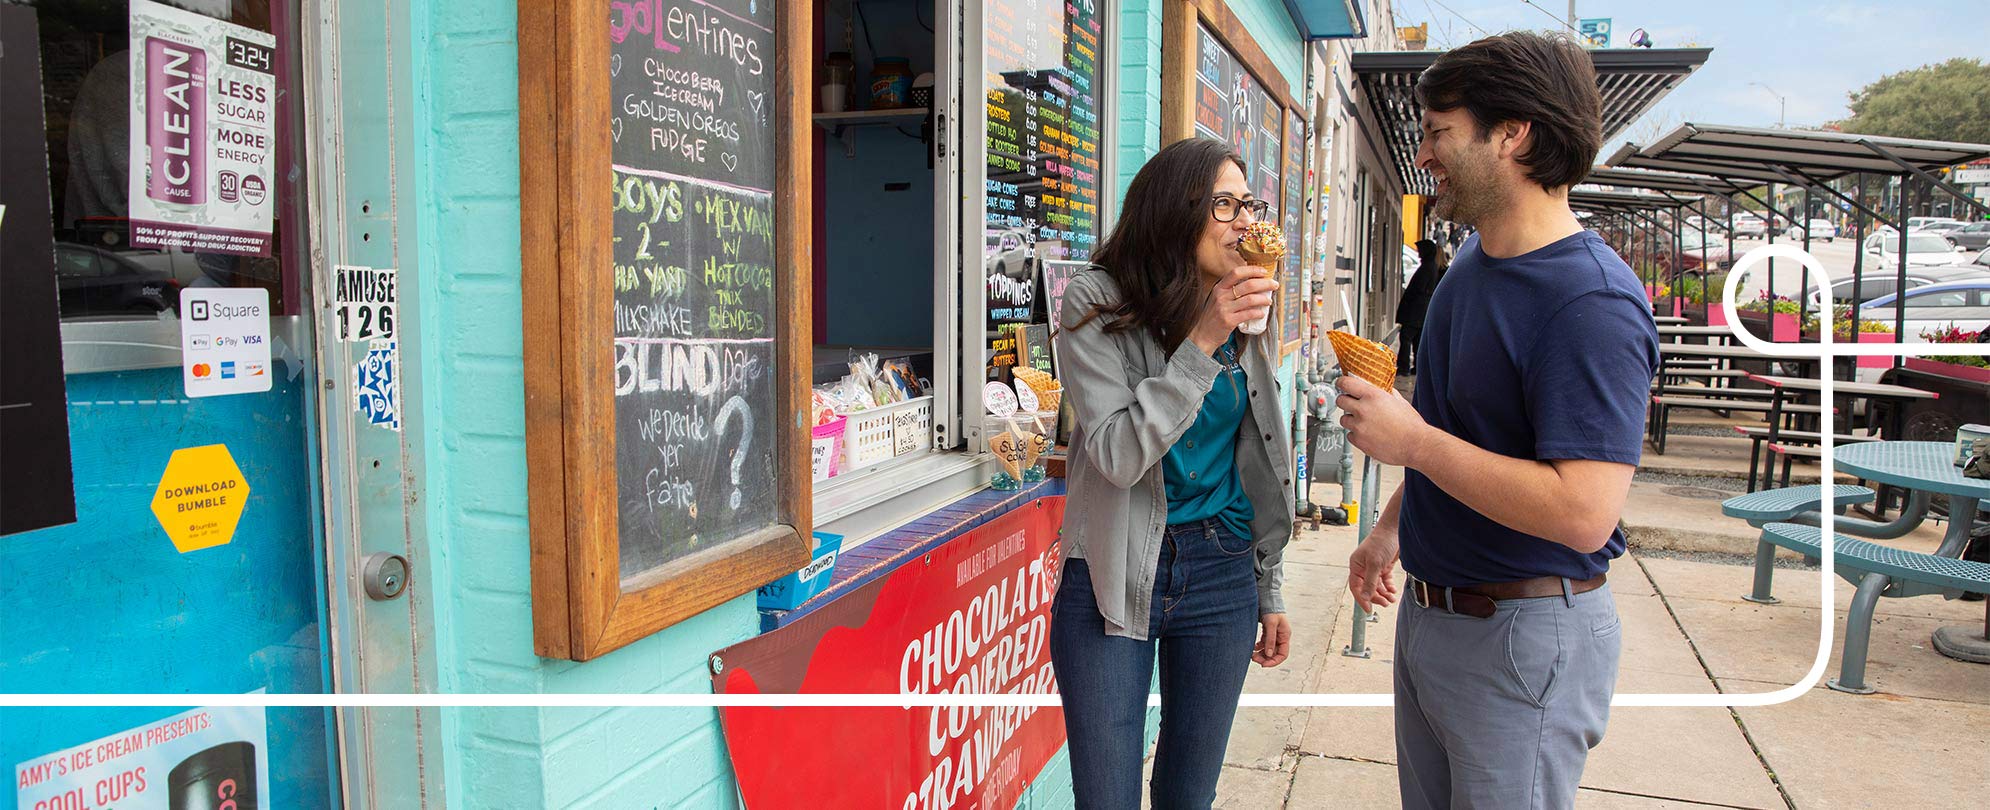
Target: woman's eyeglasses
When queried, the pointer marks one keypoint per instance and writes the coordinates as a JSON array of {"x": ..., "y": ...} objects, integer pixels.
[{"x": 1228, "y": 206}]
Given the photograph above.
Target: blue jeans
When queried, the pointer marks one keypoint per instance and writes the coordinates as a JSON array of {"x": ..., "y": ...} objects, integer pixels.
[{"x": 1204, "y": 621}]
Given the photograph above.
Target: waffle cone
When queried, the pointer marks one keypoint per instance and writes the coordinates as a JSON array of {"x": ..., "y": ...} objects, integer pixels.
[
  {"x": 1364, "y": 358},
  {"x": 1268, "y": 261},
  {"x": 1009, "y": 452},
  {"x": 1048, "y": 400}
]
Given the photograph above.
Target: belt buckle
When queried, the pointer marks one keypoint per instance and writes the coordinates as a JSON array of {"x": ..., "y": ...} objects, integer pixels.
[{"x": 1420, "y": 593}]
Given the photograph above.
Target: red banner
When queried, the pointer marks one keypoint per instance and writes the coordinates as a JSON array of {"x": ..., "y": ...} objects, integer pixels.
[{"x": 972, "y": 617}]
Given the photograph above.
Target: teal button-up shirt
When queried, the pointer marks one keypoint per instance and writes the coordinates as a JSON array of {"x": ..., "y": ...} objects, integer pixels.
[{"x": 1201, "y": 468}]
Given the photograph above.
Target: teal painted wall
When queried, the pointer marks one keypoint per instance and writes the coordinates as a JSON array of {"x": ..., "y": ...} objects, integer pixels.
[{"x": 465, "y": 85}]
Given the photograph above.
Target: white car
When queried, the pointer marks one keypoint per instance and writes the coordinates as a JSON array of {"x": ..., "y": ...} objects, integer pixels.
[
  {"x": 1750, "y": 225},
  {"x": 1821, "y": 230},
  {"x": 1411, "y": 263},
  {"x": 1922, "y": 249},
  {"x": 1917, "y": 223},
  {"x": 1965, "y": 304}
]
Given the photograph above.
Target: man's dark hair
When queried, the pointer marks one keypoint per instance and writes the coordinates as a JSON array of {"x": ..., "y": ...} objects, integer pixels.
[{"x": 1546, "y": 81}]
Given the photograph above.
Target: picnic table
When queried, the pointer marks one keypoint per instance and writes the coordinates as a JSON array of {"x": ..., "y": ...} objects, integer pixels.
[
  {"x": 1927, "y": 469},
  {"x": 1787, "y": 390},
  {"x": 1695, "y": 331},
  {"x": 1789, "y": 519}
]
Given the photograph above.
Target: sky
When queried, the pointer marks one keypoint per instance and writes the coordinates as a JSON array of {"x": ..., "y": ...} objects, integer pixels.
[{"x": 1813, "y": 54}]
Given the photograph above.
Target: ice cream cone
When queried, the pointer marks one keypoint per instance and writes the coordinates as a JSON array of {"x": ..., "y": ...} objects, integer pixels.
[
  {"x": 1263, "y": 245},
  {"x": 1364, "y": 358},
  {"x": 1009, "y": 452}
]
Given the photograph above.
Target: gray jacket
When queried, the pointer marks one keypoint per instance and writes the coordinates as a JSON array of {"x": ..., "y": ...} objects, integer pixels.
[{"x": 1132, "y": 402}]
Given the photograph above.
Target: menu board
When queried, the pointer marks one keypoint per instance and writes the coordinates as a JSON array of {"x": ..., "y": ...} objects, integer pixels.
[
  {"x": 1231, "y": 106},
  {"x": 1292, "y": 285},
  {"x": 1042, "y": 92},
  {"x": 693, "y": 128}
]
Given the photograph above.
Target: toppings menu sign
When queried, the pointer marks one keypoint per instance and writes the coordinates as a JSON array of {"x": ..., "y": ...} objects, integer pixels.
[{"x": 203, "y": 130}]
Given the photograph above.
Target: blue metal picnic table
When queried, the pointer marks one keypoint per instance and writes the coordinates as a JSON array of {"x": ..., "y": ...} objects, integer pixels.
[{"x": 1924, "y": 469}]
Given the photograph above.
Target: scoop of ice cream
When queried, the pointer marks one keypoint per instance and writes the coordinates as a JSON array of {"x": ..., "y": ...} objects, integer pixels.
[{"x": 1262, "y": 240}]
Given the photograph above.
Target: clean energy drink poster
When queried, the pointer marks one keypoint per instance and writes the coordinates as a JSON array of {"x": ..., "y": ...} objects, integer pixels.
[
  {"x": 203, "y": 132},
  {"x": 215, "y": 758}
]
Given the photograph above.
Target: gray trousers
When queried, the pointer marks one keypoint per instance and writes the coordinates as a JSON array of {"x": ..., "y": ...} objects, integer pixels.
[{"x": 1501, "y": 712}]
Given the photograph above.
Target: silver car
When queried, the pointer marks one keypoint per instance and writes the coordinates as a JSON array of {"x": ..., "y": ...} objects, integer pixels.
[{"x": 1974, "y": 236}]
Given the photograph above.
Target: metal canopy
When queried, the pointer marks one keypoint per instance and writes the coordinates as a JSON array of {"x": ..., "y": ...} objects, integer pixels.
[
  {"x": 1328, "y": 19},
  {"x": 1631, "y": 81},
  {"x": 1618, "y": 202},
  {"x": 1653, "y": 181},
  {"x": 1753, "y": 155}
]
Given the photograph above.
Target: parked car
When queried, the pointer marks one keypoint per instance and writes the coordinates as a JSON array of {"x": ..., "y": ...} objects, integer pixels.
[
  {"x": 1698, "y": 249},
  {"x": 1750, "y": 226},
  {"x": 1877, "y": 282},
  {"x": 1920, "y": 223},
  {"x": 1007, "y": 253},
  {"x": 1945, "y": 230},
  {"x": 1965, "y": 304},
  {"x": 94, "y": 281},
  {"x": 1821, "y": 230},
  {"x": 1411, "y": 264},
  {"x": 1922, "y": 248},
  {"x": 1974, "y": 236}
]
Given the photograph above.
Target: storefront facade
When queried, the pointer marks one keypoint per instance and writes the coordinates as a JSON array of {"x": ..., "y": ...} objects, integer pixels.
[{"x": 394, "y": 533}]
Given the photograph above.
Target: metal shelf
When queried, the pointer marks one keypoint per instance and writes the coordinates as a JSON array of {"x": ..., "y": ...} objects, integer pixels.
[{"x": 836, "y": 123}]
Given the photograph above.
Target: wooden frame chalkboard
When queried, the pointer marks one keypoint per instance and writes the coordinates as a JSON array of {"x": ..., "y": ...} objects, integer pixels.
[{"x": 722, "y": 208}]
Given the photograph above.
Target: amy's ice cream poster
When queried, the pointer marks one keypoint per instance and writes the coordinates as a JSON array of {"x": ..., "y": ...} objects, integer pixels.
[
  {"x": 203, "y": 132},
  {"x": 204, "y": 759}
]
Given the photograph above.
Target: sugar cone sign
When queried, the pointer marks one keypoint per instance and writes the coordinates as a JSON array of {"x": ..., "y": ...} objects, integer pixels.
[{"x": 1263, "y": 246}]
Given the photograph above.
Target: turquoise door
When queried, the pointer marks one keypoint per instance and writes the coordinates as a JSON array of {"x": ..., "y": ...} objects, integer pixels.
[{"x": 114, "y": 601}]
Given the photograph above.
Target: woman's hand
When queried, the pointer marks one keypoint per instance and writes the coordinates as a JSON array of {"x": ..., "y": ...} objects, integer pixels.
[
  {"x": 1274, "y": 641},
  {"x": 1242, "y": 296}
]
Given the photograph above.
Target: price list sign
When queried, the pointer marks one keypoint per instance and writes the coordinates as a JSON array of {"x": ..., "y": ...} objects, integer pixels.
[
  {"x": 1043, "y": 129},
  {"x": 694, "y": 273},
  {"x": 1231, "y": 106},
  {"x": 1290, "y": 209}
]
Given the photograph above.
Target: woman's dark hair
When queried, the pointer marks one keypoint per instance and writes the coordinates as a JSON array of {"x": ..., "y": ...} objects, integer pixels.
[
  {"x": 1547, "y": 81},
  {"x": 1151, "y": 251}
]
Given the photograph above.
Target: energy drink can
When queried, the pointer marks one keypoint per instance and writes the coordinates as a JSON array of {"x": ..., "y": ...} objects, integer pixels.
[
  {"x": 175, "y": 121},
  {"x": 219, "y": 778}
]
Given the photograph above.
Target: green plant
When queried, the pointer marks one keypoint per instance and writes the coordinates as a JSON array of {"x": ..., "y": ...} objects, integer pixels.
[
  {"x": 1841, "y": 320},
  {"x": 1954, "y": 334}
]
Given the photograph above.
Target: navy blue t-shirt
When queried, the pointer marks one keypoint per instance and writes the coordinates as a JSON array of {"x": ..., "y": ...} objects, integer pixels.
[{"x": 1546, "y": 355}]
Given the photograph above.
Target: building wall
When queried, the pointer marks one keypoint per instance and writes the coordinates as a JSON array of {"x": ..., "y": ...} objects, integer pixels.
[{"x": 471, "y": 364}]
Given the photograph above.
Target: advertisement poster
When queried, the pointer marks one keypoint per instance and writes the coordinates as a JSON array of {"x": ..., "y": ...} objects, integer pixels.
[
  {"x": 204, "y": 758},
  {"x": 203, "y": 132},
  {"x": 971, "y": 617},
  {"x": 224, "y": 340}
]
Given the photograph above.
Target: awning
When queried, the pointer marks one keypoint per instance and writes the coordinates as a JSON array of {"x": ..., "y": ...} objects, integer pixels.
[
  {"x": 1653, "y": 181},
  {"x": 1748, "y": 153},
  {"x": 1631, "y": 80},
  {"x": 1328, "y": 19},
  {"x": 1619, "y": 202}
]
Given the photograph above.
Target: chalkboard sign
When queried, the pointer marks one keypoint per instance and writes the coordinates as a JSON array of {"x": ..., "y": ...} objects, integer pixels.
[
  {"x": 1057, "y": 276},
  {"x": 1292, "y": 292},
  {"x": 1231, "y": 106},
  {"x": 665, "y": 240},
  {"x": 694, "y": 274},
  {"x": 1043, "y": 136},
  {"x": 1034, "y": 348}
]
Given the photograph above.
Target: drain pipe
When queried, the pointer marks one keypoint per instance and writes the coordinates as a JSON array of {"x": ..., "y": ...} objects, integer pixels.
[{"x": 1371, "y": 483}]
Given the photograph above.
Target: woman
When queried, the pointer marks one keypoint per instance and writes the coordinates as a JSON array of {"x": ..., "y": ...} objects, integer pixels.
[
  {"x": 1416, "y": 301},
  {"x": 1180, "y": 479}
]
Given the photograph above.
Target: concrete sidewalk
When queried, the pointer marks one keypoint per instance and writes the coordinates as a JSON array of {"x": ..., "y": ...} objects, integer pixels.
[{"x": 1922, "y": 741}]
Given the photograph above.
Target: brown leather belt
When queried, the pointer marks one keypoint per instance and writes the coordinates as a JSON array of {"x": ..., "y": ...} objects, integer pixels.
[{"x": 1479, "y": 600}]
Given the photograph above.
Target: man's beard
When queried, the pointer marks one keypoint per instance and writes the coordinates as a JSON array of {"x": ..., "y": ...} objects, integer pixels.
[{"x": 1469, "y": 194}]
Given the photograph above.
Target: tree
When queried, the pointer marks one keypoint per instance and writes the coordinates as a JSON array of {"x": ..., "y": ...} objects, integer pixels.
[{"x": 1947, "y": 101}]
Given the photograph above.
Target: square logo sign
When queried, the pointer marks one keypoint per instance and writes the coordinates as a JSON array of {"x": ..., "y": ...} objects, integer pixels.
[{"x": 231, "y": 339}]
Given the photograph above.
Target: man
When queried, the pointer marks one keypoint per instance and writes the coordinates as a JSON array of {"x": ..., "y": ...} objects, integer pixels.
[
  {"x": 1528, "y": 421},
  {"x": 1411, "y": 310}
]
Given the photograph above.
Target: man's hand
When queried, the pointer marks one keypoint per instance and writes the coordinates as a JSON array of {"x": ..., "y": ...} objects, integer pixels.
[
  {"x": 1380, "y": 423},
  {"x": 1371, "y": 570},
  {"x": 1274, "y": 641}
]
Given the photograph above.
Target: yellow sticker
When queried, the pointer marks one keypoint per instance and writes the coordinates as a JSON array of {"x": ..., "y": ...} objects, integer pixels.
[{"x": 200, "y": 497}]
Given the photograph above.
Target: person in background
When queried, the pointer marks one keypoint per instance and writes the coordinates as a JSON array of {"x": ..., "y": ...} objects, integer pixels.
[
  {"x": 1527, "y": 425},
  {"x": 1416, "y": 301},
  {"x": 1180, "y": 477}
]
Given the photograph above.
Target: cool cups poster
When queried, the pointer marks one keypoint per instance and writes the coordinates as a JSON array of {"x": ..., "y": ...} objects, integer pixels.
[
  {"x": 210, "y": 758},
  {"x": 203, "y": 130}
]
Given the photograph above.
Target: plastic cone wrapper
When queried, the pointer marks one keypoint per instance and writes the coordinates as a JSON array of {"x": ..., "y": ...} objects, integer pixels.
[
  {"x": 1364, "y": 358},
  {"x": 1009, "y": 452},
  {"x": 1263, "y": 245}
]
